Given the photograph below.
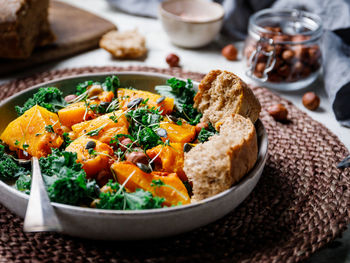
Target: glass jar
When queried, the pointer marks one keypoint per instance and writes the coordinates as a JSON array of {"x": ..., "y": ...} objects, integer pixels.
[{"x": 282, "y": 50}]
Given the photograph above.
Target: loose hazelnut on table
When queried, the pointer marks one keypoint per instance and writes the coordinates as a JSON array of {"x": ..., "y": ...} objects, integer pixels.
[
  {"x": 278, "y": 112},
  {"x": 172, "y": 60},
  {"x": 229, "y": 52},
  {"x": 311, "y": 100}
]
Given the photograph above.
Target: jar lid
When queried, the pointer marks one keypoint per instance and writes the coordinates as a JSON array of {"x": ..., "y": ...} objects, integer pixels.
[{"x": 290, "y": 22}]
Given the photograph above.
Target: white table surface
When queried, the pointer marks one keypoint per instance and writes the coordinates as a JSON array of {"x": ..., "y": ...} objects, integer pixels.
[{"x": 200, "y": 60}]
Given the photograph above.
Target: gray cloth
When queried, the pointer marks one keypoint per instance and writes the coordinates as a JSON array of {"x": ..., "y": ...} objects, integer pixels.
[{"x": 335, "y": 15}]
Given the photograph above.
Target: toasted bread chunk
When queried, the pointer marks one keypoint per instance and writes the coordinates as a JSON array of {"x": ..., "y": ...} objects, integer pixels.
[
  {"x": 221, "y": 94},
  {"x": 128, "y": 44},
  {"x": 217, "y": 164}
]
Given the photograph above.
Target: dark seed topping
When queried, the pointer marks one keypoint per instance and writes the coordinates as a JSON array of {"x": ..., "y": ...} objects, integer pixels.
[
  {"x": 162, "y": 132},
  {"x": 134, "y": 103},
  {"x": 344, "y": 163},
  {"x": 160, "y": 100},
  {"x": 97, "y": 190},
  {"x": 173, "y": 118},
  {"x": 90, "y": 145},
  {"x": 104, "y": 104},
  {"x": 144, "y": 168},
  {"x": 187, "y": 147}
]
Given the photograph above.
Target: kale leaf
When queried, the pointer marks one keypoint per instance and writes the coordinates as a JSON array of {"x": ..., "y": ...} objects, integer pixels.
[
  {"x": 119, "y": 199},
  {"x": 183, "y": 93},
  {"x": 50, "y": 98},
  {"x": 9, "y": 168},
  {"x": 204, "y": 134},
  {"x": 65, "y": 179},
  {"x": 23, "y": 183}
]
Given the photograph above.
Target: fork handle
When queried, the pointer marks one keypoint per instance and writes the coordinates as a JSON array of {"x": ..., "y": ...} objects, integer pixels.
[{"x": 40, "y": 215}]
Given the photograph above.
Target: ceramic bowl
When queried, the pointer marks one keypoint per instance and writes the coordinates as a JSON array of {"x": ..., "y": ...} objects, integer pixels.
[
  {"x": 191, "y": 23},
  {"x": 131, "y": 225}
]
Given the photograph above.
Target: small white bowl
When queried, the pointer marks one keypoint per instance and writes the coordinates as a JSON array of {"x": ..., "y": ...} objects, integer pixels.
[{"x": 191, "y": 23}]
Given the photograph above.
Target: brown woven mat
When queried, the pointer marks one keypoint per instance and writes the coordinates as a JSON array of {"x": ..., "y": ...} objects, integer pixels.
[{"x": 300, "y": 204}]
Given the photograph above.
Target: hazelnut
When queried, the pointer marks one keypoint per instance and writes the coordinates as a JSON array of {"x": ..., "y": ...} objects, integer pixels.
[
  {"x": 124, "y": 143},
  {"x": 172, "y": 60},
  {"x": 70, "y": 97},
  {"x": 229, "y": 52},
  {"x": 298, "y": 67},
  {"x": 280, "y": 38},
  {"x": 137, "y": 157},
  {"x": 311, "y": 100},
  {"x": 300, "y": 38},
  {"x": 260, "y": 67},
  {"x": 284, "y": 71},
  {"x": 103, "y": 177},
  {"x": 200, "y": 126},
  {"x": 95, "y": 90},
  {"x": 278, "y": 112},
  {"x": 288, "y": 55}
]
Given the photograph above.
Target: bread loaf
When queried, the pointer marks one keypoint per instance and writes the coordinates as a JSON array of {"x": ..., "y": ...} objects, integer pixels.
[
  {"x": 221, "y": 94},
  {"x": 215, "y": 165},
  {"x": 23, "y": 25}
]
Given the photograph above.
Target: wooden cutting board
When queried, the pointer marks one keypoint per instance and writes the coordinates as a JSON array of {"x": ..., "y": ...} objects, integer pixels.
[{"x": 76, "y": 31}]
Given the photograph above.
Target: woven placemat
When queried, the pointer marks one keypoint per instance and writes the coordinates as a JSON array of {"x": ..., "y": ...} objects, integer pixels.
[{"x": 300, "y": 204}]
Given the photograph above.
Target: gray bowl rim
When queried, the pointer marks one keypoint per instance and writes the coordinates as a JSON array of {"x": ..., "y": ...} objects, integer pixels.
[
  {"x": 164, "y": 12},
  {"x": 147, "y": 212}
]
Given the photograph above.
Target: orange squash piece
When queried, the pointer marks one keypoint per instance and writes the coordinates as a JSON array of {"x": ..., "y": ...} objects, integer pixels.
[
  {"x": 106, "y": 96},
  {"x": 169, "y": 159},
  {"x": 173, "y": 191},
  {"x": 75, "y": 113},
  {"x": 28, "y": 132},
  {"x": 179, "y": 133},
  {"x": 106, "y": 126},
  {"x": 92, "y": 163},
  {"x": 127, "y": 95}
]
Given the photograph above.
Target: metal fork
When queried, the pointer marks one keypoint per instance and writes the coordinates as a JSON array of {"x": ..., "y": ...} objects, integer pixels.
[{"x": 40, "y": 215}]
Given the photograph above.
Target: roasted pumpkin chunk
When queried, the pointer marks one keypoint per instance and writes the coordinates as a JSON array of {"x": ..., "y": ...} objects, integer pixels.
[
  {"x": 75, "y": 113},
  {"x": 103, "y": 128},
  {"x": 35, "y": 132},
  {"x": 169, "y": 158},
  {"x": 94, "y": 155},
  {"x": 179, "y": 133},
  {"x": 170, "y": 188},
  {"x": 125, "y": 96}
]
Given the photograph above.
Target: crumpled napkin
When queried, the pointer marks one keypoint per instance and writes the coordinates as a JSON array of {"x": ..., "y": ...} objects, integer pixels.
[{"x": 335, "y": 15}]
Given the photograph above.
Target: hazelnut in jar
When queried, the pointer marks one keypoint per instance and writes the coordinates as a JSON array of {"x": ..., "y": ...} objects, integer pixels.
[{"x": 282, "y": 50}]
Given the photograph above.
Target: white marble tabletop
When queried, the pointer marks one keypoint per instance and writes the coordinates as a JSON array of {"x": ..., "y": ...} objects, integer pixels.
[{"x": 198, "y": 60}]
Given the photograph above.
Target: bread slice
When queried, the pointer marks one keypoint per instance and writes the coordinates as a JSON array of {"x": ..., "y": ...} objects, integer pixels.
[
  {"x": 23, "y": 25},
  {"x": 222, "y": 93},
  {"x": 217, "y": 164}
]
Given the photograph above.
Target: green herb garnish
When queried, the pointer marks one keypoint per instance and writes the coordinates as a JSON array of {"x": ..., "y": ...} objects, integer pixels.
[{"x": 49, "y": 128}]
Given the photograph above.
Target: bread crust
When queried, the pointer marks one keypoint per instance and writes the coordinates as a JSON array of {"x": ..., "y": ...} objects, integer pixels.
[
  {"x": 215, "y": 165},
  {"x": 221, "y": 94}
]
